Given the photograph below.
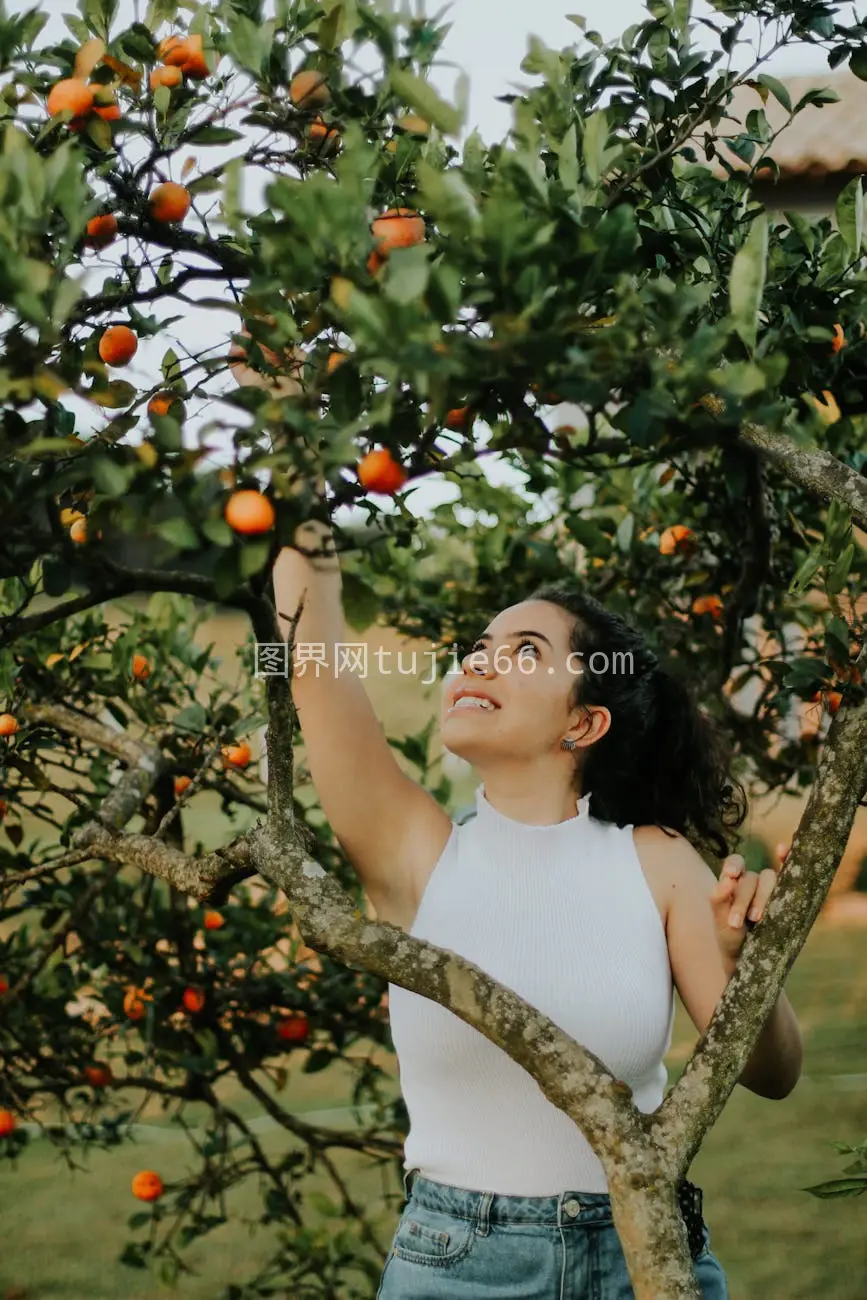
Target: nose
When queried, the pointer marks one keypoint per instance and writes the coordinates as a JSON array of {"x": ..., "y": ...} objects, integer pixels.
[{"x": 475, "y": 662}]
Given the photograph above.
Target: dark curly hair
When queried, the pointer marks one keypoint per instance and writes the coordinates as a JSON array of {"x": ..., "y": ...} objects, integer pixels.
[{"x": 662, "y": 761}]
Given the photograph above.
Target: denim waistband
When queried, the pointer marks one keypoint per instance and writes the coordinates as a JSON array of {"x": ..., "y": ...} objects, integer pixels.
[{"x": 494, "y": 1207}]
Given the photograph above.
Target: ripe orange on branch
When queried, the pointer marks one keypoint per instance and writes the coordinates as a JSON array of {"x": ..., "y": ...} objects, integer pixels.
[
  {"x": 169, "y": 202},
  {"x": 326, "y": 138},
  {"x": 141, "y": 668},
  {"x": 193, "y": 999},
  {"x": 249, "y": 512},
  {"x": 162, "y": 403},
  {"x": 147, "y": 1185},
  {"x": 214, "y": 921},
  {"x": 676, "y": 538},
  {"x": 378, "y": 471},
  {"x": 98, "y": 1075},
  {"x": 458, "y": 418},
  {"x": 8, "y": 724},
  {"x": 308, "y": 89},
  {"x": 101, "y": 230},
  {"x": 237, "y": 755},
  {"x": 182, "y": 783},
  {"x": 8, "y": 1123},
  {"x": 294, "y": 1029},
  {"x": 73, "y": 93},
  {"x": 134, "y": 1003},
  {"x": 170, "y": 77},
  {"x": 397, "y": 228},
  {"x": 118, "y": 345},
  {"x": 708, "y": 605}
]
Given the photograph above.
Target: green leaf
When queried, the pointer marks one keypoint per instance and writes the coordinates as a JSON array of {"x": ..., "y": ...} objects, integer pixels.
[
  {"x": 421, "y": 96},
  {"x": 318, "y": 1060},
  {"x": 360, "y": 602},
  {"x": 858, "y": 63},
  {"x": 809, "y": 567},
  {"x": 180, "y": 533},
  {"x": 849, "y": 213},
  {"x": 110, "y": 477},
  {"x": 407, "y": 275},
  {"x": 747, "y": 280},
  {"x": 593, "y": 145},
  {"x": 777, "y": 89},
  {"x": 840, "y": 572},
  {"x": 192, "y": 718},
  {"x": 55, "y": 576},
  {"x": 214, "y": 135},
  {"x": 742, "y": 379},
  {"x": 839, "y": 1187},
  {"x": 254, "y": 557},
  {"x": 217, "y": 531},
  {"x": 567, "y": 154}
]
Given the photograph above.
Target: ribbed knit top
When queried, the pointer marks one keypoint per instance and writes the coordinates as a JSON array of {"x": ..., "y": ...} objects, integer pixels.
[{"x": 563, "y": 915}]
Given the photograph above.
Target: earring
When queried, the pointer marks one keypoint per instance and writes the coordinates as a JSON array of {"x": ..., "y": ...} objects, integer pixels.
[{"x": 568, "y": 743}]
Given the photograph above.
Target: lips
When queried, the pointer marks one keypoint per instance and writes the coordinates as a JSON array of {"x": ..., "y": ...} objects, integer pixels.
[{"x": 463, "y": 694}]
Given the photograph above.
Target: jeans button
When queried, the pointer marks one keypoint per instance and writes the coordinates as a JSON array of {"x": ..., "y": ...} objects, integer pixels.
[{"x": 572, "y": 1207}]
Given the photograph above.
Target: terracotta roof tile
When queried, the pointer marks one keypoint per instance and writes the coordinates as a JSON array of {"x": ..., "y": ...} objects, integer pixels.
[{"x": 820, "y": 140}]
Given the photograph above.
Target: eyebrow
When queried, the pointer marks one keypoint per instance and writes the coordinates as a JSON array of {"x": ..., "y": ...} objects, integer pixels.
[{"x": 486, "y": 636}]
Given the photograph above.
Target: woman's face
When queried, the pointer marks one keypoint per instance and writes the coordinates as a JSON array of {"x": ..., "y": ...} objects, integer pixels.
[{"x": 523, "y": 662}]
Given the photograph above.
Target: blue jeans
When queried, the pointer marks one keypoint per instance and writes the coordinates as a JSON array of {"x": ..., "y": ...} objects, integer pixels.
[{"x": 454, "y": 1244}]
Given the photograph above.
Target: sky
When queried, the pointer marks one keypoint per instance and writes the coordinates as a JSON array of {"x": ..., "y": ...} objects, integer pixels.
[{"x": 487, "y": 41}]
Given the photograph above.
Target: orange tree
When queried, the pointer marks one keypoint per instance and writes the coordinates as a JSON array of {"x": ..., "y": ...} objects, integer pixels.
[{"x": 411, "y": 308}]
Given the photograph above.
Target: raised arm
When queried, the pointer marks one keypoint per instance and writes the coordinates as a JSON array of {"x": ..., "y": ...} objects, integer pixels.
[{"x": 391, "y": 829}]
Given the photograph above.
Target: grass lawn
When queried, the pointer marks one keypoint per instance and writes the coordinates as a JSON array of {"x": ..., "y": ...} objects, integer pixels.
[{"x": 64, "y": 1230}]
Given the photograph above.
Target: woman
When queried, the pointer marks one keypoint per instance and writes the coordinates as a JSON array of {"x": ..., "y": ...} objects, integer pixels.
[{"x": 593, "y": 763}]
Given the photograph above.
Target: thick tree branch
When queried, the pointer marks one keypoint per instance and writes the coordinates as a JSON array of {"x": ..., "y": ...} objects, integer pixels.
[{"x": 820, "y": 472}]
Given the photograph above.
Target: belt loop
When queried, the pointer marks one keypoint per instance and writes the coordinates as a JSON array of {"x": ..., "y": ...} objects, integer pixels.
[
  {"x": 482, "y": 1221},
  {"x": 407, "y": 1182}
]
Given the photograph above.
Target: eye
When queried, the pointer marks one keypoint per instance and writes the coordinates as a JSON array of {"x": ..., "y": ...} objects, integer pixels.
[{"x": 532, "y": 644}]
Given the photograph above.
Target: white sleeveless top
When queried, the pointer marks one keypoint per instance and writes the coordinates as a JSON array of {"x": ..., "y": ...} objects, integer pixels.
[{"x": 563, "y": 915}]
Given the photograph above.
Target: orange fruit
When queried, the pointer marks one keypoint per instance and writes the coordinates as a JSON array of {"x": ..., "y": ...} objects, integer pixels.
[
  {"x": 73, "y": 93},
  {"x": 708, "y": 605},
  {"x": 182, "y": 783},
  {"x": 676, "y": 538},
  {"x": 173, "y": 50},
  {"x": 214, "y": 920},
  {"x": 98, "y": 1075},
  {"x": 4, "y": 983},
  {"x": 193, "y": 999},
  {"x": 169, "y": 202},
  {"x": 237, "y": 755},
  {"x": 161, "y": 403},
  {"x": 8, "y": 724},
  {"x": 134, "y": 1003},
  {"x": 108, "y": 112},
  {"x": 118, "y": 345},
  {"x": 379, "y": 472},
  {"x": 195, "y": 65},
  {"x": 336, "y": 359},
  {"x": 458, "y": 418},
  {"x": 249, "y": 512},
  {"x": 397, "y": 228},
  {"x": 833, "y": 700},
  {"x": 172, "y": 76},
  {"x": 294, "y": 1029},
  {"x": 78, "y": 530},
  {"x": 839, "y": 339},
  {"x": 308, "y": 89},
  {"x": 8, "y": 1123},
  {"x": 325, "y": 137},
  {"x": 375, "y": 261},
  {"x": 140, "y": 668},
  {"x": 68, "y": 516},
  {"x": 147, "y": 1185},
  {"x": 101, "y": 230}
]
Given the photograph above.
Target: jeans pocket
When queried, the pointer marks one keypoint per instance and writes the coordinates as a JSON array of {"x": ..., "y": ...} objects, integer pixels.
[{"x": 432, "y": 1237}]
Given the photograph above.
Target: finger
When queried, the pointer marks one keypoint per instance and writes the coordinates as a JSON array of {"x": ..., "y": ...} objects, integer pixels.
[
  {"x": 743, "y": 898},
  {"x": 732, "y": 870},
  {"x": 767, "y": 882}
]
